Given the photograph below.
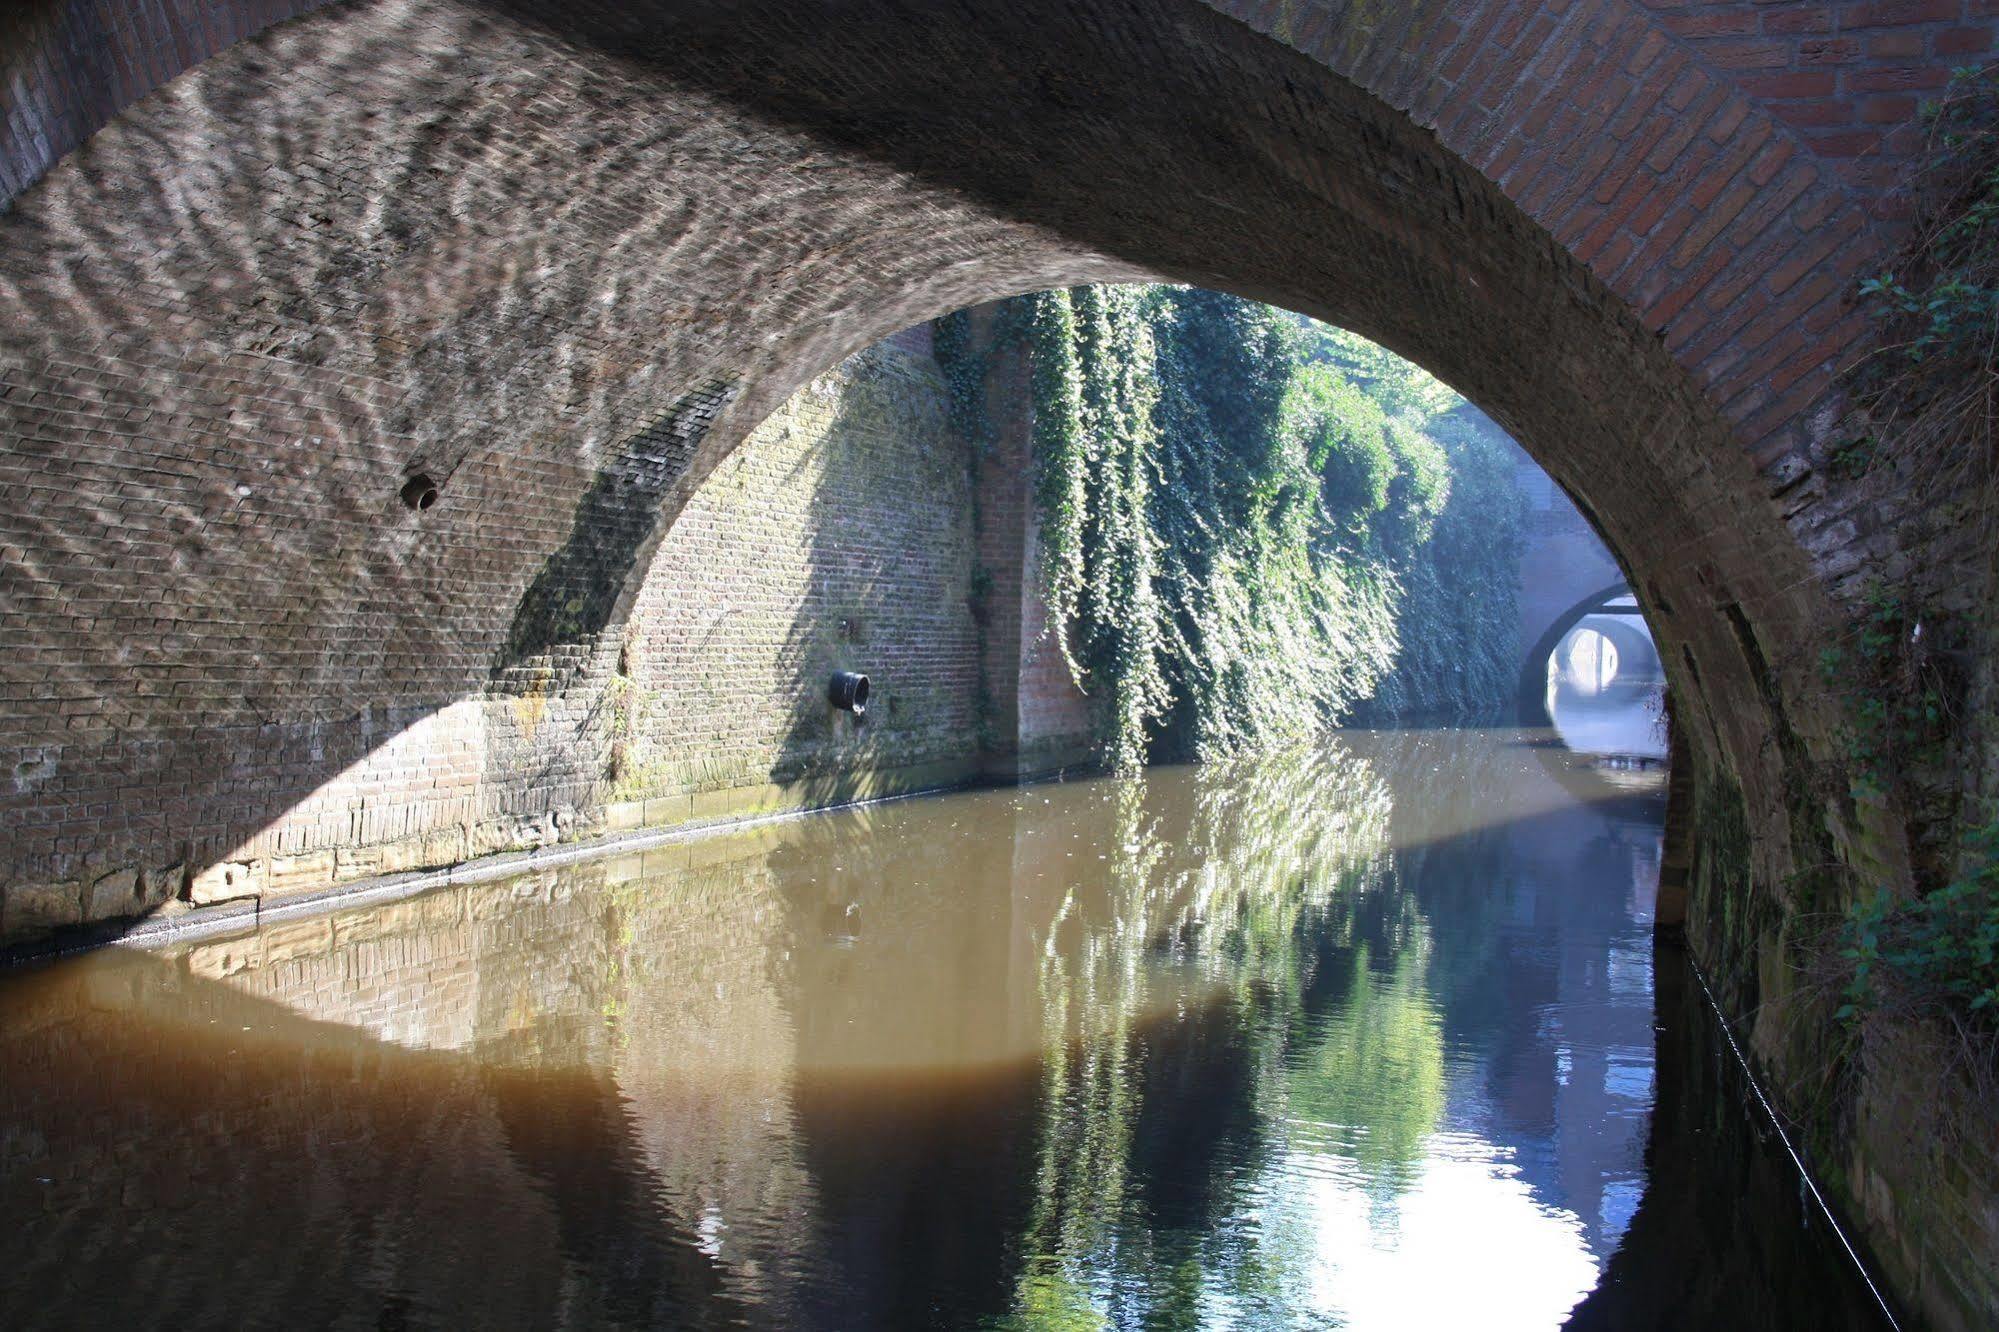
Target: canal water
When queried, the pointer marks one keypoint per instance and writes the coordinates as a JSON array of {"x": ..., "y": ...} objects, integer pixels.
[{"x": 1374, "y": 1036}]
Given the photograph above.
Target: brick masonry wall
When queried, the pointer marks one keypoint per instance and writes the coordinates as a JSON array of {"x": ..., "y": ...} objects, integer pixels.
[
  {"x": 1562, "y": 561},
  {"x": 1849, "y": 78},
  {"x": 1038, "y": 720},
  {"x": 838, "y": 537}
]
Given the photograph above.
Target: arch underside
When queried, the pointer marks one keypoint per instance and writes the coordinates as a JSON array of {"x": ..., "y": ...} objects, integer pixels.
[{"x": 523, "y": 254}]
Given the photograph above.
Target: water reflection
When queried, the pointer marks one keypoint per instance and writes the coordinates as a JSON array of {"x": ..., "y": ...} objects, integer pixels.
[{"x": 1359, "y": 1037}]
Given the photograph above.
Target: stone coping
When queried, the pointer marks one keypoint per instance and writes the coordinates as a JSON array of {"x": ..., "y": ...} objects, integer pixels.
[{"x": 709, "y": 815}]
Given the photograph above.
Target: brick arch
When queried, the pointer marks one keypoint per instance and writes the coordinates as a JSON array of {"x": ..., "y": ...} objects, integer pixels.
[
  {"x": 1689, "y": 159},
  {"x": 1532, "y": 690},
  {"x": 559, "y": 256}
]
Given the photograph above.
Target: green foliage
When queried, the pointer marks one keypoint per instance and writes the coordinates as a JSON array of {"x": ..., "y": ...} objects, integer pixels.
[
  {"x": 1275, "y": 631},
  {"x": 964, "y": 379},
  {"x": 1461, "y": 586},
  {"x": 1944, "y": 946},
  {"x": 1399, "y": 387},
  {"x": 1930, "y": 397},
  {"x": 1927, "y": 409},
  {"x": 1235, "y": 506},
  {"x": 1061, "y": 456},
  {"x": 1895, "y": 708},
  {"x": 1344, "y": 436},
  {"x": 1119, "y": 616}
]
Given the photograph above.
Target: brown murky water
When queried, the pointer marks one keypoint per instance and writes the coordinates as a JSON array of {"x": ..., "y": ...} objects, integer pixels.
[{"x": 1365, "y": 1037}]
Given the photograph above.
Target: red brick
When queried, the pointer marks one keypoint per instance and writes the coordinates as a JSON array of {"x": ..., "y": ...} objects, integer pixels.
[
  {"x": 1721, "y": 171},
  {"x": 1821, "y": 112},
  {"x": 1894, "y": 45},
  {"x": 1828, "y": 50},
  {"x": 1726, "y": 119},
  {"x": 1769, "y": 162},
  {"x": 1796, "y": 18},
  {"x": 1801, "y": 83},
  {"x": 1905, "y": 79},
  {"x": 1895, "y": 13},
  {"x": 1652, "y": 206},
  {"x": 1963, "y": 41},
  {"x": 1711, "y": 23},
  {"x": 1845, "y": 143},
  {"x": 1747, "y": 53},
  {"x": 1645, "y": 53},
  {"x": 1886, "y": 110},
  {"x": 1714, "y": 220},
  {"x": 1808, "y": 255},
  {"x": 1615, "y": 253},
  {"x": 1686, "y": 87}
]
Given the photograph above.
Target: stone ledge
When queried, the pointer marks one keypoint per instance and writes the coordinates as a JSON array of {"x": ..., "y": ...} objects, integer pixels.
[{"x": 727, "y": 811}]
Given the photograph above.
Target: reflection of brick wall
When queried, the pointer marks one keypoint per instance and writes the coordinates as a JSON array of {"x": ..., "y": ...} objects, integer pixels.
[{"x": 342, "y": 1045}]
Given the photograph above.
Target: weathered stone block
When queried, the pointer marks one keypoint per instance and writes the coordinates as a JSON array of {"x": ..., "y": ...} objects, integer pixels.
[
  {"x": 32, "y": 910},
  {"x": 667, "y": 811},
  {"x": 115, "y": 895},
  {"x": 294, "y": 874},
  {"x": 226, "y": 881},
  {"x": 162, "y": 885}
]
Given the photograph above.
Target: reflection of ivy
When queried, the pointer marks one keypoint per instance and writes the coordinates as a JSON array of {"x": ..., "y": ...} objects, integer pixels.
[
  {"x": 1286, "y": 844},
  {"x": 1379, "y": 1062}
]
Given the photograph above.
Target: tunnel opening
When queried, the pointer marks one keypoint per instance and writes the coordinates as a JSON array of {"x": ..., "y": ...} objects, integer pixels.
[{"x": 1461, "y": 279}]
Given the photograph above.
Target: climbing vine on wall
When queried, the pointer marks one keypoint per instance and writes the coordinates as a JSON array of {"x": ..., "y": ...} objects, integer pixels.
[
  {"x": 1926, "y": 431},
  {"x": 1246, "y": 520},
  {"x": 1930, "y": 396}
]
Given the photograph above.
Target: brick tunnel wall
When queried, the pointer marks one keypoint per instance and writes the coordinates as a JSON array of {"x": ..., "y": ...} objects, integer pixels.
[{"x": 838, "y": 538}]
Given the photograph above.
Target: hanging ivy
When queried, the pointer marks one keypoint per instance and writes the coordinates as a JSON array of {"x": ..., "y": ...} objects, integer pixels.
[
  {"x": 1251, "y": 525},
  {"x": 1062, "y": 474},
  {"x": 964, "y": 379}
]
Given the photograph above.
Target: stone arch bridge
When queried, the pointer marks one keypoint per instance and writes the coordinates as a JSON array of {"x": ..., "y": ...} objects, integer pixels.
[
  {"x": 269, "y": 268},
  {"x": 1565, "y": 575}
]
